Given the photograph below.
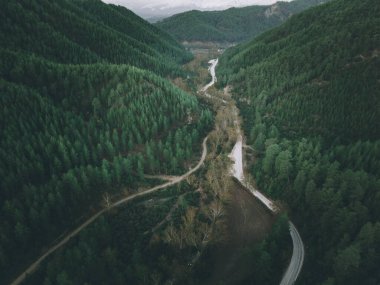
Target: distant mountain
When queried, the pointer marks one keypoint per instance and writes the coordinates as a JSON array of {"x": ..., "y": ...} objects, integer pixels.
[
  {"x": 234, "y": 24},
  {"x": 309, "y": 95},
  {"x": 154, "y": 19},
  {"x": 162, "y": 9}
]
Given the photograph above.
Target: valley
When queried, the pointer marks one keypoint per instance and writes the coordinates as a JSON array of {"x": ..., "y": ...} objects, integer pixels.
[
  {"x": 250, "y": 222},
  {"x": 226, "y": 147}
]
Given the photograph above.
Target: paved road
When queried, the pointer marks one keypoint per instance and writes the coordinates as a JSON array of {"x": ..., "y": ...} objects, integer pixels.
[
  {"x": 296, "y": 262},
  {"x": 178, "y": 179}
]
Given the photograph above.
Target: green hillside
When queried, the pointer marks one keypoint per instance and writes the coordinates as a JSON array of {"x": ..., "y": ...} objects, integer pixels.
[
  {"x": 234, "y": 24},
  {"x": 84, "y": 112},
  {"x": 309, "y": 93},
  {"x": 87, "y": 32}
]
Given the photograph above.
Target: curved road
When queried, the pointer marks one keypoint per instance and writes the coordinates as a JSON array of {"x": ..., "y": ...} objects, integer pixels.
[
  {"x": 176, "y": 180},
  {"x": 237, "y": 171},
  {"x": 296, "y": 262}
]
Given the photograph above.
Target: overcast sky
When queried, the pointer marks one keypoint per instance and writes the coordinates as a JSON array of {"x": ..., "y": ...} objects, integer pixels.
[{"x": 149, "y": 8}]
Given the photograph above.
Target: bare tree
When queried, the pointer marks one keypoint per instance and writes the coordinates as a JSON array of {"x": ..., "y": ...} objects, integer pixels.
[
  {"x": 107, "y": 200},
  {"x": 215, "y": 210}
]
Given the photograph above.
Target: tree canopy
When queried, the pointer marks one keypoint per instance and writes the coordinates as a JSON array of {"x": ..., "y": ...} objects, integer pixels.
[{"x": 309, "y": 93}]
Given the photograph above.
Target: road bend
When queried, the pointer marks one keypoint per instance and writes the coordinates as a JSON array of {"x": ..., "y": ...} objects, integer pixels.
[{"x": 296, "y": 262}]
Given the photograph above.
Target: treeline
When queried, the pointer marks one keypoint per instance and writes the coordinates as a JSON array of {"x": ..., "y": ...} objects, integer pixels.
[
  {"x": 88, "y": 32},
  {"x": 309, "y": 95},
  {"x": 234, "y": 24}
]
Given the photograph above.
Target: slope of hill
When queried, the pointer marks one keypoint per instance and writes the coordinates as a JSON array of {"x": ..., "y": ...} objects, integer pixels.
[
  {"x": 71, "y": 133},
  {"x": 309, "y": 92},
  {"x": 234, "y": 24},
  {"x": 87, "y": 32},
  {"x": 80, "y": 119}
]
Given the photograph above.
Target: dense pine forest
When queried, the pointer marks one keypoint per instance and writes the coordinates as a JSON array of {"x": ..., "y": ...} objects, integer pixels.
[
  {"x": 88, "y": 32},
  {"x": 91, "y": 116},
  {"x": 82, "y": 118},
  {"x": 234, "y": 24},
  {"x": 309, "y": 93}
]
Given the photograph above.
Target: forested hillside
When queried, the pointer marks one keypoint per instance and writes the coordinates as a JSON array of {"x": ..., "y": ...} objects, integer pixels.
[
  {"x": 87, "y": 32},
  {"x": 309, "y": 93},
  {"x": 234, "y": 24},
  {"x": 84, "y": 114}
]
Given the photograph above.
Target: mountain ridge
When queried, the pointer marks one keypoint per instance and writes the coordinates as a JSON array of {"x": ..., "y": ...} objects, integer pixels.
[
  {"x": 233, "y": 24},
  {"x": 115, "y": 34}
]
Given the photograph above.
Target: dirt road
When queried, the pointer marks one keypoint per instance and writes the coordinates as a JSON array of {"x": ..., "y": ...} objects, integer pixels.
[{"x": 75, "y": 232}]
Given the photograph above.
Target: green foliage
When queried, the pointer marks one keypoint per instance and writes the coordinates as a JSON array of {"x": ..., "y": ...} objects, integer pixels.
[
  {"x": 307, "y": 72},
  {"x": 234, "y": 24},
  {"x": 315, "y": 82},
  {"x": 118, "y": 248},
  {"x": 77, "y": 122},
  {"x": 58, "y": 155},
  {"x": 88, "y": 32}
]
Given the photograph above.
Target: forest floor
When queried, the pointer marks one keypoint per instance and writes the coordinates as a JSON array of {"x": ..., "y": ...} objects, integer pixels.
[
  {"x": 248, "y": 219},
  {"x": 248, "y": 222}
]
